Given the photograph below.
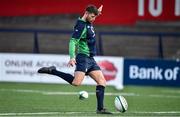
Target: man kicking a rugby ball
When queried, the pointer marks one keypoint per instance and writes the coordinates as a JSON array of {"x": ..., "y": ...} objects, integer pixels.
[{"x": 83, "y": 40}]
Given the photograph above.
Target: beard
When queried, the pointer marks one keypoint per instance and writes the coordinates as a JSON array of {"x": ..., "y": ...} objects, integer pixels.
[{"x": 89, "y": 19}]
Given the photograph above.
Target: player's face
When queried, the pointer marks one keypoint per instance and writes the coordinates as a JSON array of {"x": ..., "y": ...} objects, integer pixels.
[{"x": 91, "y": 17}]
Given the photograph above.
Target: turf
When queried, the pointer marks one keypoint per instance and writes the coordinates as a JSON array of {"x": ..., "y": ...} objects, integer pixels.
[{"x": 28, "y": 99}]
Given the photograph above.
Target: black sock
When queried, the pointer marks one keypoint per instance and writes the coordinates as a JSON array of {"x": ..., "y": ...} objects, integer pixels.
[
  {"x": 67, "y": 77},
  {"x": 100, "y": 96}
]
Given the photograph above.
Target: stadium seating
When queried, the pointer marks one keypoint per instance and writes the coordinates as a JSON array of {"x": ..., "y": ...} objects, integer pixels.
[{"x": 126, "y": 46}]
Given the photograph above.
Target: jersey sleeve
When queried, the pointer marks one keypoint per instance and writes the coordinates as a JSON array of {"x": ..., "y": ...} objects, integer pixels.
[
  {"x": 72, "y": 47},
  {"x": 79, "y": 30}
]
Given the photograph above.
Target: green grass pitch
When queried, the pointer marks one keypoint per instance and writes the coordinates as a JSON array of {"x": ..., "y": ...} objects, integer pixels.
[{"x": 31, "y": 99}]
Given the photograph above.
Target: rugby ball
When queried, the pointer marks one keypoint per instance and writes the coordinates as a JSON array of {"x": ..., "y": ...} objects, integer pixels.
[
  {"x": 83, "y": 95},
  {"x": 121, "y": 104}
]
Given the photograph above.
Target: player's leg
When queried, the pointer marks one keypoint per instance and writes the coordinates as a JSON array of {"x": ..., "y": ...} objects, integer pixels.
[
  {"x": 78, "y": 78},
  {"x": 75, "y": 80},
  {"x": 100, "y": 89},
  {"x": 81, "y": 66},
  {"x": 98, "y": 77},
  {"x": 52, "y": 70},
  {"x": 79, "y": 74}
]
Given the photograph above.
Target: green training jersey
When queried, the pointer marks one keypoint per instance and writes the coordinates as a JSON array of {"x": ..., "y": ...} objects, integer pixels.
[{"x": 83, "y": 39}]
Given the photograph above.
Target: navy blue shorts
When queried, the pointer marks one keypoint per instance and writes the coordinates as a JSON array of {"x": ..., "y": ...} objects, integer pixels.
[{"x": 86, "y": 64}]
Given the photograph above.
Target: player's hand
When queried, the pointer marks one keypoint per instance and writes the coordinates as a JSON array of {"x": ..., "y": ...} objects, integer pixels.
[
  {"x": 100, "y": 10},
  {"x": 71, "y": 62}
]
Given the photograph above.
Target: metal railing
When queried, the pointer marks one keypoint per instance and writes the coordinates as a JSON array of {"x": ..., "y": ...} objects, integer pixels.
[
  {"x": 160, "y": 36},
  {"x": 35, "y": 32}
]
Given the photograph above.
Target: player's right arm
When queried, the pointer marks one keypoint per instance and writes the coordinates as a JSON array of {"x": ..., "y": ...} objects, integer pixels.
[
  {"x": 76, "y": 36},
  {"x": 72, "y": 49},
  {"x": 100, "y": 10}
]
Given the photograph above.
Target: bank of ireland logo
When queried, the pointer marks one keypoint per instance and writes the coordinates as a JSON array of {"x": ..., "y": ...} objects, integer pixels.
[{"x": 153, "y": 73}]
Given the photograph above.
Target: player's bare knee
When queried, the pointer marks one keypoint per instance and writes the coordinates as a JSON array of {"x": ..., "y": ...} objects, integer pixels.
[
  {"x": 102, "y": 82},
  {"x": 76, "y": 84}
]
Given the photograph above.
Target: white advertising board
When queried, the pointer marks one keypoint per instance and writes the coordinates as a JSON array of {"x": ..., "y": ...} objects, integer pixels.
[{"x": 23, "y": 68}]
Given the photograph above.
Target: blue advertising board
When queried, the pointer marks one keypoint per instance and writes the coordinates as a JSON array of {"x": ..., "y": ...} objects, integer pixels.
[{"x": 152, "y": 72}]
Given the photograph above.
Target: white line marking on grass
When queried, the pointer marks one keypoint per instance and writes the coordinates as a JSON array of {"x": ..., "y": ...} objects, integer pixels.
[
  {"x": 72, "y": 113},
  {"x": 38, "y": 113},
  {"x": 160, "y": 112},
  {"x": 22, "y": 90},
  {"x": 62, "y": 93},
  {"x": 171, "y": 91},
  {"x": 166, "y": 96},
  {"x": 90, "y": 93},
  {"x": 49, "y": 113}
]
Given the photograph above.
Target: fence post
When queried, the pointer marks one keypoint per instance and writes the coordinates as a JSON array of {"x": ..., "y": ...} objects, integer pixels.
[
  {"x": 36, "y": 43},
  {"x": 100, "y": 45},
  {"x": 160, "y": 49}
]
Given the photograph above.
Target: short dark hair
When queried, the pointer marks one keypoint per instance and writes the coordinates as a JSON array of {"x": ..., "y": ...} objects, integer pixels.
[{"x": 92, "y": 9}]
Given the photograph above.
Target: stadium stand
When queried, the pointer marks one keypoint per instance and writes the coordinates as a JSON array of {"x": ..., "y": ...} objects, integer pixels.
[{"x": 126, "y": 46}]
